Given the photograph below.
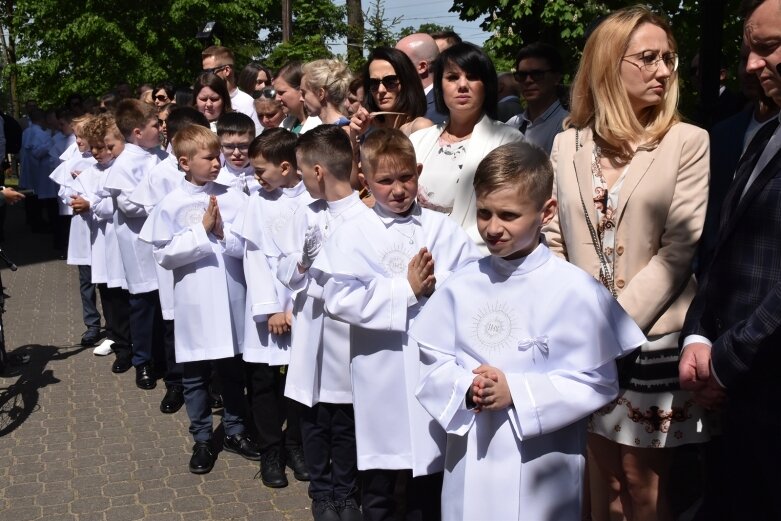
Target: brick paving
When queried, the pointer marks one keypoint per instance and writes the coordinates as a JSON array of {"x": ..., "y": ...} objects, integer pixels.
[{"x": 80, "y": 443}]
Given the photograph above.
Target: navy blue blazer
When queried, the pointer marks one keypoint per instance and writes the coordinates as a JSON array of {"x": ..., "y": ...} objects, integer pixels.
[{"x": 738, "y": 305}]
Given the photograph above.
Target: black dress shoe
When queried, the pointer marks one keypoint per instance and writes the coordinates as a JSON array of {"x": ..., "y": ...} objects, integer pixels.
[
  {"x": 272, "y": 471},
  {"x": 173, "y": 400},
  {"x": 242, "y": 445},
  {"x": 202, "y": 460},
  {"x": 324, "y": 510},
  {"x": 145, "y": 377},
  {"x": 295, "y": 461},
  {"x": 121, "y": 365},
  {"x": 90, "y": 337},
  {"x": 348, "y": 509}
]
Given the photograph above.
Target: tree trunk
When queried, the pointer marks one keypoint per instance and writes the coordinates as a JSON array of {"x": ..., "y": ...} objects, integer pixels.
[{"x": 354, "y": 32}]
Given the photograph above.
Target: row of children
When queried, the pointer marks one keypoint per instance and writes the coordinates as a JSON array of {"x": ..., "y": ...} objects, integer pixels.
[{"x": 406, "y": 356}]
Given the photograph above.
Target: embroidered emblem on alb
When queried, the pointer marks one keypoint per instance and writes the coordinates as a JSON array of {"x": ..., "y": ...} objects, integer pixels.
[
  {"x": 191, "y": 215},
  {"x": 493, "y": 326},
  {"x": 536, "y": 344},
  {"x": 277, "y": 223},
  {"x": 396, "y": 259}
]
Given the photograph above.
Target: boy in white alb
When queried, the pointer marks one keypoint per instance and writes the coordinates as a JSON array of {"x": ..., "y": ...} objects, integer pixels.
[
  {"x": 236, "y": 131},
  {"x": 73, "y": 161},
  {"x": 516, "y": 351},
  {"x": 92, "y": 201},
  {"x": 190, "y": 233},
  {"x": 138, "y": 123},
  {"x": 159, "y": 181},
  {"x": 381, "y": 270},
  {"x": 318, "y": 373},
  {"x": 270, "y": 304}
]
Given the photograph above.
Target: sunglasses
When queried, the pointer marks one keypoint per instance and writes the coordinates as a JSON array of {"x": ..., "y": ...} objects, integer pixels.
[
  {"x": 267, "y": 92},
  {"x": 215, "y": 70},
  {"x": 390, "y": 82},
  {"x": 535, "y": 75},
  {"x": 161, "y": 97}
]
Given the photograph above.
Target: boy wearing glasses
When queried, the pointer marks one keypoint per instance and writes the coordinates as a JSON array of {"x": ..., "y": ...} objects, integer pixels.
[
  {"x": 236, "y": 131},
  {"x": 538, "y": 70},
  {"x": 219, "y": 60}
]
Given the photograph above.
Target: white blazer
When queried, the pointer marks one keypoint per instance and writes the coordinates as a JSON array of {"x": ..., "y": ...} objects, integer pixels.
[{"x": 486, "y": 136}]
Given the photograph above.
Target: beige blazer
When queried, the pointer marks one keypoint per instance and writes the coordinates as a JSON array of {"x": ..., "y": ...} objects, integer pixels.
[{"x": 659, "y": 221}]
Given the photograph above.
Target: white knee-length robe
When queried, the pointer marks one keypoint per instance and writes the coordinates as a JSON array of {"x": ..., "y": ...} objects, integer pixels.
[
  {"x": 209, "y": 287},
  {"x": 366, "y": 261},
  {"x": 316, "y": 374},
  {"x": 261, "y": 225},
  {"x": 554, "y": 331}
]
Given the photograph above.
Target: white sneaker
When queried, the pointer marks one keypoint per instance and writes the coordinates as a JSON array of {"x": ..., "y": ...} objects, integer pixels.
[{"x": 104, "y": 348}]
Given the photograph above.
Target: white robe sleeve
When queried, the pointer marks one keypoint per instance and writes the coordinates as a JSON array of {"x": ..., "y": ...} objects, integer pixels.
[
  {"x": 443, "y": 380},
  {"x": 232, "y": 244},
  {"x": 261, "y": 284},
  {"x": 184, "y": 248},
  {"x": 543, "y": 403},
  {"x": 129, "y": 208}
]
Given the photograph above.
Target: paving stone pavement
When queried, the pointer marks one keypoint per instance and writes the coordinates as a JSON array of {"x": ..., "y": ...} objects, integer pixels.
[{"x": 80, "y": 443}]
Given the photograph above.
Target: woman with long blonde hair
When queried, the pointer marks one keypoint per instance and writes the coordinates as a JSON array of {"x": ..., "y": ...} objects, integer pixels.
[{"x": 632, "y": 185}]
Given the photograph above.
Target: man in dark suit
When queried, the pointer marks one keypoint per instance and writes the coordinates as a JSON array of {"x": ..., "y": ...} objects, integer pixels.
[
  {"x": 732, "y": 334},
  {"x": 728, "y": 141},
  {"x": 422, "y": 50}
]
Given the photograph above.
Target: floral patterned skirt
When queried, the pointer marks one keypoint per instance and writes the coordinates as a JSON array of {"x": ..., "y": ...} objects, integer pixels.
[{"x": 651, "y": 411}]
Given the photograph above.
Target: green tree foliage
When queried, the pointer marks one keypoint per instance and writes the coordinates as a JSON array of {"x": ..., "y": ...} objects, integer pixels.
[
  {"x": 424, "y": 28},
  {"x": 89, "y": 46},
  {"x": 316, "y": 24},
  {"x": 563, "y": 23}
]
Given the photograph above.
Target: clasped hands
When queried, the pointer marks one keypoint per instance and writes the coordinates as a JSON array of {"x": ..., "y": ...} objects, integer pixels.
[
  {"x": 212, "y": 220},
  {"x": 490, "y": 390}
]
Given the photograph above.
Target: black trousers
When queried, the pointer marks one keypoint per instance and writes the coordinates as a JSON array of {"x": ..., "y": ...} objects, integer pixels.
[
  {"x": 269, "y": 407},
  {"x": 750, "y": 455},
  {"x": 166, "y": 361},
  {"x": 328, "y": 433},
  {"x": 116, "y": 311},
  {"x": 146, "y": 326},
  {"x": 421, "y": 495}
]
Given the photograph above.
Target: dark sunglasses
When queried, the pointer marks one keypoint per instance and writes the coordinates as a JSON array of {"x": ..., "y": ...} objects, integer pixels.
[
  {"x": 266, "y": 92},
  {"x": 536, "y": 75},
  {"x": 161, "y": 97},
  {"x": 390, "y": 82},
  {"x": 215, "y": 70}
]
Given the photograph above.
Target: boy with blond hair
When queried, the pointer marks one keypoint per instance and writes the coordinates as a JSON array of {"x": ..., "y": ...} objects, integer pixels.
[
  {"x": 73, "y": 160},
  {"x": 93, "y": 203},
  {"x": 526, "y": 340},
  {"x": 190, "y": 231}
]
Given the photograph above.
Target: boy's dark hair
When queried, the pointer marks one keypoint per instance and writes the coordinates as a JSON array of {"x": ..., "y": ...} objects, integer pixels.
[
  {"x": 516, "y": 165},
  {"x": 181, "y": 117},
  {"x": 131, "y": 114},
  {"x": 542, "y": 51},
  {"x": 328, "y": 146},
  {"x": 235, "y": 123},
  {"x": 472, "y": 60},
  {"x": 388, "y": 144},
  {"x": 275, "y": 145}
]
